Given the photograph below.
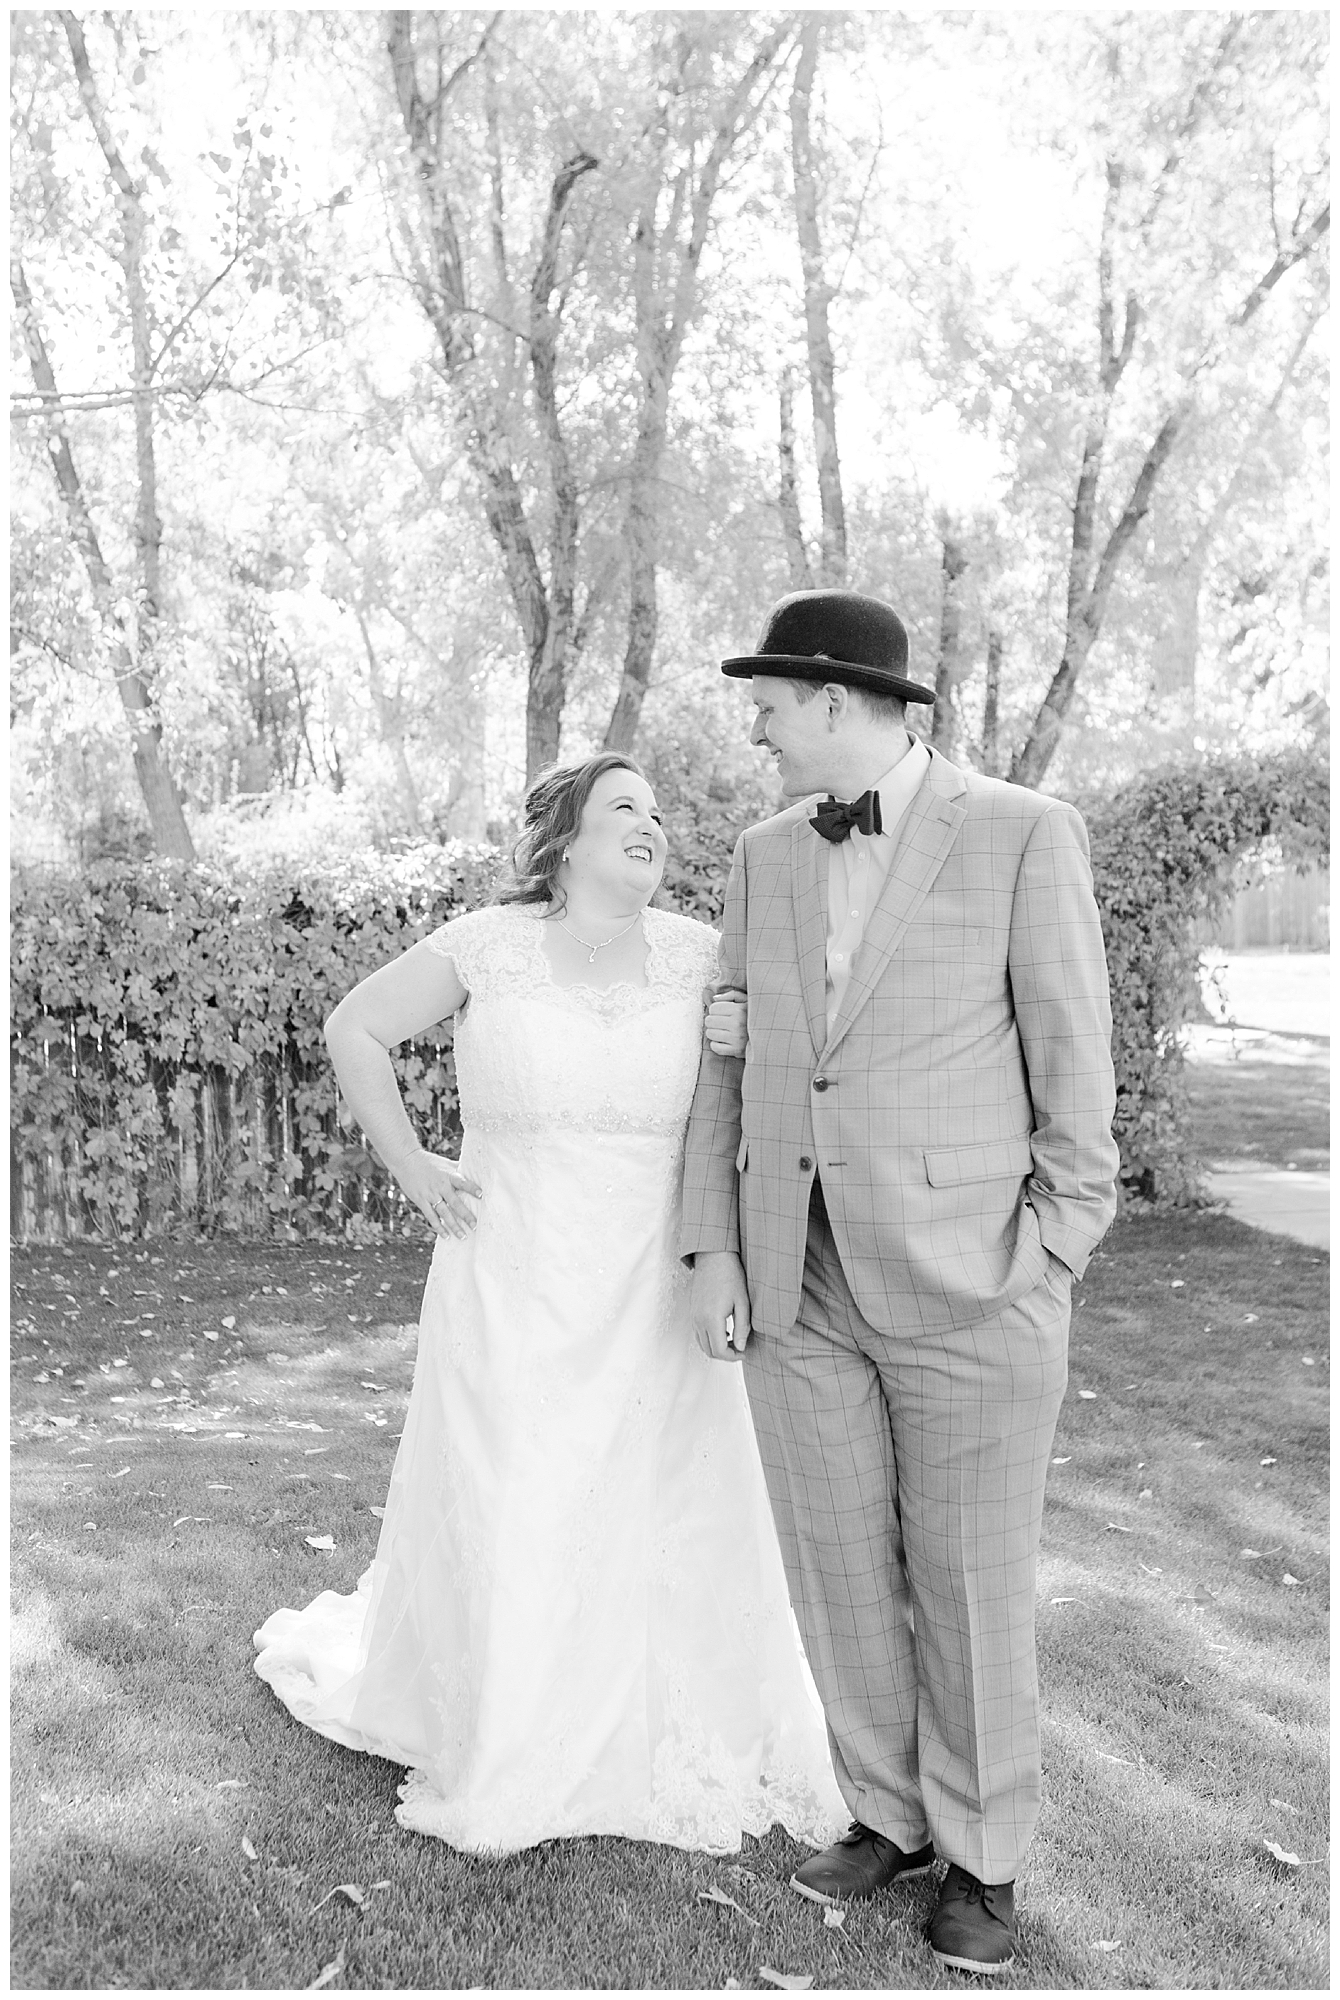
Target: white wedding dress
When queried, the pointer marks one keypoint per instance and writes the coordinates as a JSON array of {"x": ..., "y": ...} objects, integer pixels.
[{"x": 577, "y": 1620}]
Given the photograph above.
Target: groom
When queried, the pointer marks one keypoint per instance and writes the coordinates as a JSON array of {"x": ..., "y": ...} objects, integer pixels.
[{"x": 894, "y": 1192}]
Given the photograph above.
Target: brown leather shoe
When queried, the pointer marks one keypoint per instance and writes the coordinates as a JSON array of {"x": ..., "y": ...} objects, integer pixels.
[
  {"x": 859, "y": 1864},
  {"x": 972, "y": 1927}
]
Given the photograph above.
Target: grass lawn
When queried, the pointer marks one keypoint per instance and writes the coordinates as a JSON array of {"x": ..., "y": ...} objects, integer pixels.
[
  {"x": 1257, "y": 1096},
  {"x": 184, "y": 1418}
]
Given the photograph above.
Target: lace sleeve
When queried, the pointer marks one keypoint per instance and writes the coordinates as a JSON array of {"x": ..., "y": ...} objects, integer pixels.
[
  {"x": 461, "y": 940},
  {"x": 690, "y": 952}
]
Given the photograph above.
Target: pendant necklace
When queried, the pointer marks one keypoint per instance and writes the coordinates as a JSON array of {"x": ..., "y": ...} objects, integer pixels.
[{"x": 594, "y": 948}]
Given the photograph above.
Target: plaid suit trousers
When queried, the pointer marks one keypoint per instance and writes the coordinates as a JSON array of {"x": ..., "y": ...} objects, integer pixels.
[{"x": 906, "y": 1474}]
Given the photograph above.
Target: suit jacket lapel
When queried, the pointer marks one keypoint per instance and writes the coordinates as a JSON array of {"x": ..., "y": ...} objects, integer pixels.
[
  {"x": 809, "y": 902},
  {"x": 924, "y": 841}
]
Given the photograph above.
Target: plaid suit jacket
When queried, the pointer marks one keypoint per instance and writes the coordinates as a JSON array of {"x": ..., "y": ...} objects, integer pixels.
[{"x": 959, "y": 1113}]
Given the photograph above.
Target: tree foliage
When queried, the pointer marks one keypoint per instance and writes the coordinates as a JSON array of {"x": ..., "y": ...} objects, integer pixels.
[{"x": 465, "y": 344}]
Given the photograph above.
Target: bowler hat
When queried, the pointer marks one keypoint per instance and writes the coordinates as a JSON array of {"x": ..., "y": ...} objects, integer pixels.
[{"x": 833, "y": 635}]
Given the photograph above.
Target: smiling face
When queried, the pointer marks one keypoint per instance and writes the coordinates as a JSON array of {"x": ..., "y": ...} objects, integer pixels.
[
  {"x": 620, "y": 848},
  {"x": 799, "y": 735}
]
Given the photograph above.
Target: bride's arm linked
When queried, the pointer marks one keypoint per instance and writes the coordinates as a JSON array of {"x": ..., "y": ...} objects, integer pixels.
[{"x": 393, "y": 1004}]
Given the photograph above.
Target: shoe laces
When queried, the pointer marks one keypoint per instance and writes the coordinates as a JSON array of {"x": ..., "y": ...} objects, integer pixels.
[{"x": 961, "y": 1884}]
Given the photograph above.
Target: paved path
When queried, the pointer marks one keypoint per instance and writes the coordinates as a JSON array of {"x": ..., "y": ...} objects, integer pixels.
[{"x": 1273, "y": 994}]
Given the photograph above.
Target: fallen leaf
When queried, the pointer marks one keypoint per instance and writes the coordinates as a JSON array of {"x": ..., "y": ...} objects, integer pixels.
[
  {"x": 1289, "y": 1860},
  {"x": 727, "y": 1902},
  {"x": 380, "y": 1387},
  {"x": 1177, "y": 1284},
  {"x": 383, "y": 1885},
  {"x": 1107, "y": 1944},
  {"x": 1108, "y": 1758},
  {"x": 248, "y": 1849},
  {"x": 203, "y": 1519},
  {"x": 794, "y": 1982},
  {"x": 834, "y": 1919},
  {"x": 1060, "y": 1461},
  {"x": 349, "y": 1889},
  {"x": 1148, "y": 1571},
  {"x": 1248, "y": 1555},
  {"x": 1146, "y": 1493},
  {"x": 211, "y": 1336},
  {"x": 319, "y": 1541},
  {"x": 328, "y": 1972},
  {"x": 314, "y": 1450},
  {"x": 380, "y": 1512},
  {"x": 1270, "y": 1461},
  {"x": 1200, "y": 1595},
  {"x": 1248, "y": 1318},
  {"x": 1065, "y": 1600},
  {"x": 1088, "y": 1395},
  {"x": 218, "y": 1489},
  {"x": 1290, "y": 1582},
  {"x": 1284, "y": 1805},
  {"x": 122, "y": 1473},
  {"x": 1308, "y": 1362},
  {"x": 1117, "y": 1528},
  {"x": 231, "y": 1785},
  {"x": 231, "y": 1321}
]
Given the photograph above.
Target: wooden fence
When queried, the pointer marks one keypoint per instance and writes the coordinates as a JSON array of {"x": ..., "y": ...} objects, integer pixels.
[
  {"x": 1287, "y": 911},
  {"x": 223, "y": 1141}
]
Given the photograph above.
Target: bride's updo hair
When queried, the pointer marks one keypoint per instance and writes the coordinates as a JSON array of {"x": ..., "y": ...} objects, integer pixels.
[{"x": 553, "y": 816}]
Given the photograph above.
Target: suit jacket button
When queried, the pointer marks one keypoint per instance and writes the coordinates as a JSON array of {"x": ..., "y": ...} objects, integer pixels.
[
  {"x": 821, "y": 1083},
  {"x": 805, "y": 1163}
]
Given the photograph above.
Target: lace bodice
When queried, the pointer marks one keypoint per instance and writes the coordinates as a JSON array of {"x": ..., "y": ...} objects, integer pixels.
[{"x": 533, "y": 1056}]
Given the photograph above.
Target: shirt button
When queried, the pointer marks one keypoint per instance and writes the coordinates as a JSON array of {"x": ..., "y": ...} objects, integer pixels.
[{"x": 805, "y": 1163}]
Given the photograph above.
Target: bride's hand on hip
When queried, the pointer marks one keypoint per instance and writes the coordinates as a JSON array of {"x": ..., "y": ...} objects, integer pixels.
[
  {"x": 726, "y": 1026},
  {"x": 441, "y": 1192}
]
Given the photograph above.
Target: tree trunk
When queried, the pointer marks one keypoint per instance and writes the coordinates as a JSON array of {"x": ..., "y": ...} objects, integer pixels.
[
  {"x": 167, "y": 820},
  {"x": 480, "y": 419},
  {"x": 391, "y": 722},
  {"x": 833, "y": 557},
  {"x": 788, "y": 498},
  {"x": 1089, "y": 584},
  {"x": 995, "y": 647},
  {"x": 662, "y": 322},
  {"x": 171, "y": 835},
  {"x": 953, "y": 563},
  {"x": 548, "y": 683}
]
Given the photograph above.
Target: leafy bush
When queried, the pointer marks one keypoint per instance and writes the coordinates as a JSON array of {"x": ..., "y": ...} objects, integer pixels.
[
  {"x": 1167, "y": 851},
  {"x": 168, "y": 1069},
  {"x": 167, "y": 1062}
]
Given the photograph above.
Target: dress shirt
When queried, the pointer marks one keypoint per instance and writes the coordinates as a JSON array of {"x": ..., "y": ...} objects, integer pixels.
[{"x": 858, "y": 868}]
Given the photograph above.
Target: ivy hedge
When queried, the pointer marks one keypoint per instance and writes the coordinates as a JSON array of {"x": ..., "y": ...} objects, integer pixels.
[
  {"x": 1168, "y": 852},
  {"x": 167, "y": 1064}
]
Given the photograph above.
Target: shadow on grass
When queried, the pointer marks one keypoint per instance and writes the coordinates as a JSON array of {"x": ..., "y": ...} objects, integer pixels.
[{"x": 146, "y": 1751}]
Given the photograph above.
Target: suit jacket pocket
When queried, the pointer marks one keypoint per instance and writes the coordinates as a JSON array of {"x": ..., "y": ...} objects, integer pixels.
[
  {"x": 947, "y": 941},
  {"x": 999, "y": 1160}
]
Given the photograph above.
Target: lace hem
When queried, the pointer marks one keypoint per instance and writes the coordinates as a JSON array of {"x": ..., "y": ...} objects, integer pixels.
[{"x": 689, "y": 1817}]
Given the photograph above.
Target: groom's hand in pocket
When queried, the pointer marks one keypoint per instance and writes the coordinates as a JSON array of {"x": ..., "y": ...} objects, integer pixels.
[{"x": 720, "y": 1305}]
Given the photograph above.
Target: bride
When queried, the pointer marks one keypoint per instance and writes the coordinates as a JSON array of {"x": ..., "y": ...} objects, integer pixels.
[{"x": 577, "y": 1620}]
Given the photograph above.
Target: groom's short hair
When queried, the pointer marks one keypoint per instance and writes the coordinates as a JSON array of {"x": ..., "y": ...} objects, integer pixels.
[{"x": 888, "y": 709}]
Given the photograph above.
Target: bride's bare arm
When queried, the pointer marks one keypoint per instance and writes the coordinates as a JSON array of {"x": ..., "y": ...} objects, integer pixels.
[{"x": 393, "y": 1004}]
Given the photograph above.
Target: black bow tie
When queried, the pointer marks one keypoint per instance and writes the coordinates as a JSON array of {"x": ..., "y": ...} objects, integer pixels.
[{"x": 835, "y": 821}]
